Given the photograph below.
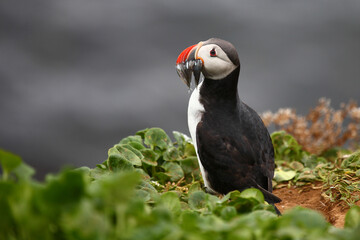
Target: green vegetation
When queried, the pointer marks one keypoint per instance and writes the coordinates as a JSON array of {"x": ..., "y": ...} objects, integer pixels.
[
  {"x": 150, "y": 188},
  {"x": 337, "y": 171}
]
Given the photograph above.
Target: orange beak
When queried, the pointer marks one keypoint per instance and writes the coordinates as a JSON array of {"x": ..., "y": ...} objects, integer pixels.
[{"x": 188, "y": 62}]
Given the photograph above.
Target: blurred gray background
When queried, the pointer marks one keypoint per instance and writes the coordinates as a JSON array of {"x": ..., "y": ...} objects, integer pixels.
[{"x": 76, "y": 76}]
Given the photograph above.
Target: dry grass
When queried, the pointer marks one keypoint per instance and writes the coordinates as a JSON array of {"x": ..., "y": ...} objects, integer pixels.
[{"x": 322, "y": 128}]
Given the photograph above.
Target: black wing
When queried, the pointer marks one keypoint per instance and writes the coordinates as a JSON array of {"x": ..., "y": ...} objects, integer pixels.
[{"x": 237, "y": 153}]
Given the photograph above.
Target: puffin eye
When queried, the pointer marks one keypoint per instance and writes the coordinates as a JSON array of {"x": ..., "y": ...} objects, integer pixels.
[{"x": 213, "y": 53}]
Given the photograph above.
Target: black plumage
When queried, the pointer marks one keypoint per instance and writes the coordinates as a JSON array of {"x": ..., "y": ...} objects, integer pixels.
[{"x": 233, "y": 143}]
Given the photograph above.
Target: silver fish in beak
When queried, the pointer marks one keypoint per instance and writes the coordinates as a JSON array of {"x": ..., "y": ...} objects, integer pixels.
[{"x": 188, "y": 63}]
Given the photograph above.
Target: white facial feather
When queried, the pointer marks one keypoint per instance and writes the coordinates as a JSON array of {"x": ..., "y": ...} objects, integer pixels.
[{"x": 216, "y": 67}]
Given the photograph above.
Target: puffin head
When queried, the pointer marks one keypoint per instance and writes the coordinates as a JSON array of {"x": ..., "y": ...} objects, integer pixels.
[{"x": 214, "y": 58}]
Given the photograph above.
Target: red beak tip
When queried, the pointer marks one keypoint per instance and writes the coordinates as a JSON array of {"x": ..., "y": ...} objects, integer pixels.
[{"x": 184, "y": 54}]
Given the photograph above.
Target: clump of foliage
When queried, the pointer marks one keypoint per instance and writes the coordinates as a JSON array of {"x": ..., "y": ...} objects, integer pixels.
[
  {"x": 322, "y": 128},
  {"x": 342, "y": 179},
  {"x": 336, "y": 170},
  {"x": 149, "y": 188},
  {"x": 152, "y": 152}
]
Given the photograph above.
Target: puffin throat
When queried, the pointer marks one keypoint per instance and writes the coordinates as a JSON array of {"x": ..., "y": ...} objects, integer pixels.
[{"x": 222, "y": 91}]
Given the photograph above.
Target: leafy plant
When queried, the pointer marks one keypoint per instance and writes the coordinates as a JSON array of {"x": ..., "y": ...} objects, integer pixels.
[
  {"x": 293, "y": 163},
  {"x": 149, "y": 188},
  {"x": 339, "y": 176},
  {"x": 152, "y": 152},
  {"x": 342, "y": 179}
]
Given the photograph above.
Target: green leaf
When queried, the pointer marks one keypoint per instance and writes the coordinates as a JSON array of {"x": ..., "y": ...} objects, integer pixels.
[
  {"x": 146, "y": 186},
  {"x": 142, "y": 194},
  {"x": 132, "y": 149},
  {"x": 171, "y": 201},
  {"x": 156, "y": 137},
  {"x": 180, "y": 139},
  {"x": 189, "y": 165},
  {"x": 84, "y": 170},
  {"x": 189, "y": 150},
  {"x": 312, "y": 161},
  {"x": 285, "y": 146},
  {"x": 7, "y": 220},
  {"x": 66, "y": 189},
  {"x": 86, "y": 223},
  {"x": 195, "y": 187},
  {"x": 352, "y": 218},
  {"x": 296, "y": 166},
  {"x": 171, "y": 154},
  {"x": 117, "y": 162},
  {"x": 24, "y": 172},
  {"x": 9, "y": 162},
  {"x": 197, "y": 200},
  {"x": 304, "y": 218},
  {"x": 150, "y": 157},
  {"x": 232, "y": 195},
  {"x": 162, "y": 177},
  {"x": 114, "y": 189},
  {"x": 97, "y": 173},
  {"x": 283, "y": 176},
  {"x": 141, "y": 133},
  {"x": 306, "y": 175},
  {"x": 228, "y": 212},
  {"x": 253, "y": 193},
  {"x": 129, "y": 153},
  {"x": 184, "y": 144},
  {"x": 102, "y": 166},
  {"x": 131, "y": 139},
  {"x": 225, "y": 199},
  {"x": 352, "y": 161},
  {"x": 190, "y": 221},
  {"x": 244, "y": 205},
  {"x": 137, "y": 146},
  {"x": 143, "y": 173},
  {"x": 113, "y": 150},
  {"x": 174, "y": 171}
]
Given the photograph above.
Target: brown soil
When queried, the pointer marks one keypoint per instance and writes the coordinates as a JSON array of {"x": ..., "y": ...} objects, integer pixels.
[{"x": 310, "y": 197}]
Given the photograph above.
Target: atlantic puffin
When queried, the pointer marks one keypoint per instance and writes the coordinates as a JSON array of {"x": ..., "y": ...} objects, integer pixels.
[{"x": 233, "y": 146}]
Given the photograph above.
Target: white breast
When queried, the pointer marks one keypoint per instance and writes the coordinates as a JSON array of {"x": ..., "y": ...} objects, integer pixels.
[{"x": 195, "y": 111}]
